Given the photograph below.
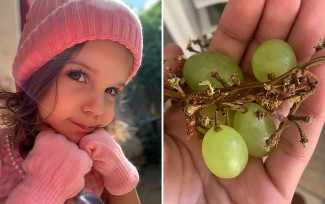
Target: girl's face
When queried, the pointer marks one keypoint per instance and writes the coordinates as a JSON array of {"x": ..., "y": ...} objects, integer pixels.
[{"x": 86, "y": 89}]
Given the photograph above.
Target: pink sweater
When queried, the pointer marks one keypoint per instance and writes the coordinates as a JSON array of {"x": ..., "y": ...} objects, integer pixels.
[{"x": 11, "y": 175}]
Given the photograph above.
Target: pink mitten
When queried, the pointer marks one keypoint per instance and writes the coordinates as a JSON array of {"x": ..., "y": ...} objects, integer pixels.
[
  {"x": 120, "y": 176},
  {"x": 54, "y": 170}
]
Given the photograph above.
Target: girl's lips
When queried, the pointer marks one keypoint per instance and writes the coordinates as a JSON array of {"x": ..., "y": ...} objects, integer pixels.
[{"x": 83, "y": 126}]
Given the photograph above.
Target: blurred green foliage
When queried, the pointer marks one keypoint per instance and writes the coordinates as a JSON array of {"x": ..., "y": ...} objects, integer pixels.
[
  {"x": 220, "y": 7},
  {"x": 144, "y": 90},
  {"x": 145, "y": 87}
]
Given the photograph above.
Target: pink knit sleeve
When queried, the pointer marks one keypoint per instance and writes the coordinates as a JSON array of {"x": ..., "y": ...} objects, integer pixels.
[
  {"x": 54, "y": 169},
  {"x": 0, "y": 168}
]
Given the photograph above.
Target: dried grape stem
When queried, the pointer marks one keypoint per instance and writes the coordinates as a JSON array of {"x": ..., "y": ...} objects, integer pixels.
[
  {"x": 216, "y": 123},
  {"x": 320, "y": 46},
  {"x": 235, "y": 107},
  {"x": 303, "y": 138},
  {"x": 172, "y": 94},
  {"x": 305, "y": 119},
  {"x": 216, "y": 75},
  {"x": 177, "y": 58},
  {"x": 261, "y": 115},
  {"x": 234, "y": 79},
  {"x": 275, "y": 138},
  {"x": 252, "y": 85},
  {"x": 198, "y": 42},
  {"x": 295, "y": 85},
  {"x": 190, "y": 122},
  {"x": 190, "y": 48}
]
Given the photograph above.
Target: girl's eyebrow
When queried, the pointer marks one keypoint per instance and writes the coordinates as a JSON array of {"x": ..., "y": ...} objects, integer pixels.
[{"x": 84, "y": 65}]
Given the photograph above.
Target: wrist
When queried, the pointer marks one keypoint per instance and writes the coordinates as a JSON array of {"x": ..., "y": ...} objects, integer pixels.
[{"x": 122, "y": 180}]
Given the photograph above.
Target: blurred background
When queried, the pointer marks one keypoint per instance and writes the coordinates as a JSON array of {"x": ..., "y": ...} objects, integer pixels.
[
  {"x": 137, "y": 124},
  {"x": 190, "y": 19},
  {"x": 139, "y": 106}
]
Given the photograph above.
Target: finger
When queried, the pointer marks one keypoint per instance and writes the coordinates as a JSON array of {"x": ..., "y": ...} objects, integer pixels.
[
  {"x": 237, "y": 26},
  {"x": 175, "y": 127},
  {"x": 277, "y": 20},
  {"x": 314, "y": 105},
  {"x": 287, "y": 163},
  {"x": 308, "y": 29},
  {"x": 174, "y": 120},
  {"x": 70, "y": 201},
  {"x": 170, "y": 51}
]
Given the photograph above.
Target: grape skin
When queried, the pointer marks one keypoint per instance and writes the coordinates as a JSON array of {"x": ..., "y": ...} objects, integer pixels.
[
  {"x": 198, "y": 67},
  {"x": 224, "y": 152},
  {"x": 253, "y": 130},
  {"x": 272, "y": 57}
]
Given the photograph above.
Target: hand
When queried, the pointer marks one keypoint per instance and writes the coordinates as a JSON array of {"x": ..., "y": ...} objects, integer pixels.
[
  {"x": 243, "y": 26},
  {"x": 55, "y": 170},
  {"x": 120, "y": 176}
]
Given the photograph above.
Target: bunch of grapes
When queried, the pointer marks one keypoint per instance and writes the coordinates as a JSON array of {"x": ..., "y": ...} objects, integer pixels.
[{"x": 232, "y": 116}]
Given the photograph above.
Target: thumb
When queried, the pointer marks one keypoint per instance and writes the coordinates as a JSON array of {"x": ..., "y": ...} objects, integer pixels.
[
  {"x": 170, "y": 51},
  {"x": 314, "y": 105},
  {"x": 90, "y": 142}
]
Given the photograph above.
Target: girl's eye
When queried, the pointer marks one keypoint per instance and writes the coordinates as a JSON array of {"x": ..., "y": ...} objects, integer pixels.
[
  {"x": 77, "y": 76},
  {"x": 112, "y": 91}
]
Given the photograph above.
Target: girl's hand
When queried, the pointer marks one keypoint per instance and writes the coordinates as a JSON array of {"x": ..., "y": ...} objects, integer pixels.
[
  {"x": 243, "y": 26},
  {"x": 54, "y": 170},
  {"x": 120, "y": 176}
]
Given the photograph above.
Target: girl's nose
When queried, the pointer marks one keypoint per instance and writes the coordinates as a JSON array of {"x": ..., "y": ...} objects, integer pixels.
[{"x": 95, "y": 104}]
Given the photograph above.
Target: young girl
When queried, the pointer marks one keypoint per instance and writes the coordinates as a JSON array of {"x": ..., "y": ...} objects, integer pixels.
[{"x": 73, "y": 58}]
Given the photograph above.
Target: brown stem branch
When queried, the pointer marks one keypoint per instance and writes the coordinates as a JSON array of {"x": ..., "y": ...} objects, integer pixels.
[{"x": 295, "y": 85}]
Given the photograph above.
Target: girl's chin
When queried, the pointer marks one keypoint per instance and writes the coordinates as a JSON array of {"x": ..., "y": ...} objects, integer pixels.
[{"x": 73, "y": 137}]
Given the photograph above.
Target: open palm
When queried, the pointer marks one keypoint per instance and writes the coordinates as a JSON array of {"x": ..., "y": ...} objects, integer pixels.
[{"x": 244, "y": 25}]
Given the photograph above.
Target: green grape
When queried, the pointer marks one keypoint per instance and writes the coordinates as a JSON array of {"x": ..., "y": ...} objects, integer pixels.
[
  {"x": 224, "y": 152},
  {"x": 273, "y": 57},
  {"x": 253, "y": 130},
  {"x": 209, "y": 111},
  {"x": 198, "y": 67}
]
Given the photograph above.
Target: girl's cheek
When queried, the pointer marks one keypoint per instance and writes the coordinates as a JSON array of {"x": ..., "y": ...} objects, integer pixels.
[
  {"x": 46, "y": 106},
  {"x": 109, "y": 115}
]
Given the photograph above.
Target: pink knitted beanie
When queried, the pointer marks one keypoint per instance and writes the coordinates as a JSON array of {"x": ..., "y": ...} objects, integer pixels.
[{"x": 55, "y": 25}]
